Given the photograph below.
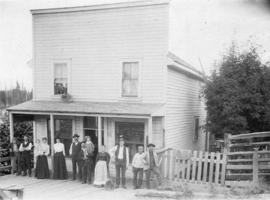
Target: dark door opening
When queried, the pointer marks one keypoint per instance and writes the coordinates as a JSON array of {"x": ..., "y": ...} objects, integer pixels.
[{"x": 133, "y": 133}]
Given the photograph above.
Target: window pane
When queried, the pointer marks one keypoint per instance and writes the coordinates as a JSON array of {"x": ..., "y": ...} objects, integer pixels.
[
  {"x": 126, "y": 87},
  {"x": 126, "y": 71},
  {"x": 90, "y": 122},
  {"x": 60, "y": 70},
  {"x": 135, "y": 70},
  {"x": 63, "y": 130},
  {"x": 130, "y": 79},
  {"x": 60, "y": 78},
  {"x": 133, "y": 87}
]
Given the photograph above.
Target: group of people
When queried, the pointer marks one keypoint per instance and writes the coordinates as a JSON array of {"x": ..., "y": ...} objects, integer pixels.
[{"x": 84, "y": 159}]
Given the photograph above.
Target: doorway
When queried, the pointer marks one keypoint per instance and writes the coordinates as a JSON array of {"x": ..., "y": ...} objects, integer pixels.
[{"x": 133, "y": 133}]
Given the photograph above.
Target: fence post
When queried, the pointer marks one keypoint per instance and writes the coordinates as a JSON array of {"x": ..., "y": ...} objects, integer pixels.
[{"x": 255, "y": 167}]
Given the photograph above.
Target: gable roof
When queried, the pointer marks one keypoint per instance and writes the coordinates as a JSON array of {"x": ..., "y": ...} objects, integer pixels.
[{"x": 182, "y": 66}]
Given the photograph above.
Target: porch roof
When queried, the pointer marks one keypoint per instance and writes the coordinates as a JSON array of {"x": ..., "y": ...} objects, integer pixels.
[{"x": 103, "y": 108}]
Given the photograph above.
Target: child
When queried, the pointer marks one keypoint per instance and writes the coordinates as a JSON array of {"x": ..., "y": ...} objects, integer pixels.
[
  {"x": 137, "y": 167},
  {"x": 90, "y": 147},
  {"x": 85, "y": 163},
  {"x": 102, "y": 167}
]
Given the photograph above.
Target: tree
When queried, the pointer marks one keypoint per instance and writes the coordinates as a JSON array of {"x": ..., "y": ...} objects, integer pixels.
[{"x": 238, "y": 95}]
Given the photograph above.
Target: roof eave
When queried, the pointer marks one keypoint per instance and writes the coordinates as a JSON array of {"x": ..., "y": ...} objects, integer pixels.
[{"x": 100, "y": 6}]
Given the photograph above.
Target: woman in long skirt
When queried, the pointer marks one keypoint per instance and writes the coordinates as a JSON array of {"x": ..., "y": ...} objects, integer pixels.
[
  {"x": 102, "y": 167},
  {"x": 42, "y": 167},
  {"x": 59, "y": 162}
]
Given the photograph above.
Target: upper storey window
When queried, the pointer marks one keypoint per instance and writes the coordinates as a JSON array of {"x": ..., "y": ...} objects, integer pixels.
[
  {"x": 60, "y": 78},
  {"x": 130, "y": 79}
]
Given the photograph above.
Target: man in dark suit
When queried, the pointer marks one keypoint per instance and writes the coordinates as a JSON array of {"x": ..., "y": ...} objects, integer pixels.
[{"x": 74, "y": 151}]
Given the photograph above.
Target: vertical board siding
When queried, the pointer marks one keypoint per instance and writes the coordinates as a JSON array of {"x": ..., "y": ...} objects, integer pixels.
[
  {"x": 95, "y": 43},
  {"x": 182, "y": 105}
]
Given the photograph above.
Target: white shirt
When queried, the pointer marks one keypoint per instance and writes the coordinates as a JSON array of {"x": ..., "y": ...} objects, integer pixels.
[
  {"x": 139, "y": 160},
  {"x": 28, "y": 148},
  {"x": 59, "y": 147},
  {"x": 121, "y": 153},
  {"x": 43, "y": 149}
]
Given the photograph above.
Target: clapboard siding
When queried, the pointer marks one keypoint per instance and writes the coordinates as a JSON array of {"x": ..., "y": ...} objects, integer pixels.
[
  {"x": 182, "y": 105},
  {"x": 95, "y": 43}
]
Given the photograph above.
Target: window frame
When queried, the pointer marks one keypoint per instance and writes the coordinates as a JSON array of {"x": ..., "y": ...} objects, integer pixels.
[
  {"x": 61, "y": 61},
  {"x": 139, "y": 61},
  {"x": 196, "y": 131}
]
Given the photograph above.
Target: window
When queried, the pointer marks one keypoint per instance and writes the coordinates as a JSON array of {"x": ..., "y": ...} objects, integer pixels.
[
  {"x": 196, "y": 128},
  {"x": 130, "y": 79},
  {"x": 60, "y": 78},
  {"x": 63, "y": 130}
]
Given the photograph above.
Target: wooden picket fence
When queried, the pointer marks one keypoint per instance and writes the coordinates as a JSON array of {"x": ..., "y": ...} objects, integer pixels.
[{"x": 193, "y": 166}]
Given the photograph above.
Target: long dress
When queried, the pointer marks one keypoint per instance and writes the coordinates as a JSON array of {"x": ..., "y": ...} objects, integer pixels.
[
  {"x": 42, "y": 167},
  {"x": 59, "y": 162},
  {"x": 102, "y": 168}
]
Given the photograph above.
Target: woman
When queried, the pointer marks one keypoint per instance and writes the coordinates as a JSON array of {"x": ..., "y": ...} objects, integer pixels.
[
  {"x": 102, "y": 167},
  {"x": 42, "y": 167},
  {"x": 59, "y": 162}
]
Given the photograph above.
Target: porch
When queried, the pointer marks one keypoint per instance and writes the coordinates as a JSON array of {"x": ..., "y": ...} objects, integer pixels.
[{"x": 103, "y": 122}]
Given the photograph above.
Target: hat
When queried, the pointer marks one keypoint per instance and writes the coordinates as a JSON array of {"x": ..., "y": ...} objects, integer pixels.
[
  {"x": 151, "y": 145},
  {"x": 75, "y": 135},
  {"x": 121, "y": 137}
]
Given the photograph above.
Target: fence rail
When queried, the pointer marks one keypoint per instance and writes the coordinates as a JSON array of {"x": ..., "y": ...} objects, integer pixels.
[
  {"x": 193, "y": 166},
  {"x": 248, "y": 156}
]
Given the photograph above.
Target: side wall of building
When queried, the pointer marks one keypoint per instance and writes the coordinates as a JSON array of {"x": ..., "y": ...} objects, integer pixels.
[
  {"x": 94, "y": 44},
  {"x": 183, "y": 105}
]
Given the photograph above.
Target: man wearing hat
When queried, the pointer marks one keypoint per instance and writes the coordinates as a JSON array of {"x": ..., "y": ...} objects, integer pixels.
[
  {"x": 74, "y": 152},
  {"x": 120, "y": 152},
  {"x": 152, "y": 165}
]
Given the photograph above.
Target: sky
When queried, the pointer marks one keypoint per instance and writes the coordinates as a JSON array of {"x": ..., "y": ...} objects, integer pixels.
[{"x": 201, "y": 32}]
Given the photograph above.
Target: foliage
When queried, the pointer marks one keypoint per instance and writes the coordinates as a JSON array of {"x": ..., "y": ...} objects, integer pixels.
[
  {"x": 238, "y": 95},
  {"x": 14, "y": 96},
  {"x": 20, "y": 129}
]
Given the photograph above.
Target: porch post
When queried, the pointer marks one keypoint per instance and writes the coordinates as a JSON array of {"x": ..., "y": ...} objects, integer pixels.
[
  {"x": 150, "y": 135},
  {"x": 105, "y": 132},
  {"x": 52, "y": 137},
  {"x": 11, "y": 127},
  {"x": 99, "y": 132}
]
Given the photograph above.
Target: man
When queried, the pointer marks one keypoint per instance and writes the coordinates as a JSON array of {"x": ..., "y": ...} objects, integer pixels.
[
  {"x": 152, "y": 165},
  {"x": 86, "y": 164},
  {"x": 25, "y": 149},
  {"x": 74, "y": 151},
  {"x": 120, "y": 152},
  {"x": 15, "y": 156},
  {"x": 138, "y": 163}
]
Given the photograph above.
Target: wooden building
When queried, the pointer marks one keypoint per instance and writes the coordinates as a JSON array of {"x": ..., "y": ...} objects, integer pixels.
[{"x": 106, "y": 70}]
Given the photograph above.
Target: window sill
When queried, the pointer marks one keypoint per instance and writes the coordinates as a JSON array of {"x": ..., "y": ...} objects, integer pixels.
[{"x": 130, "y": 99}]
